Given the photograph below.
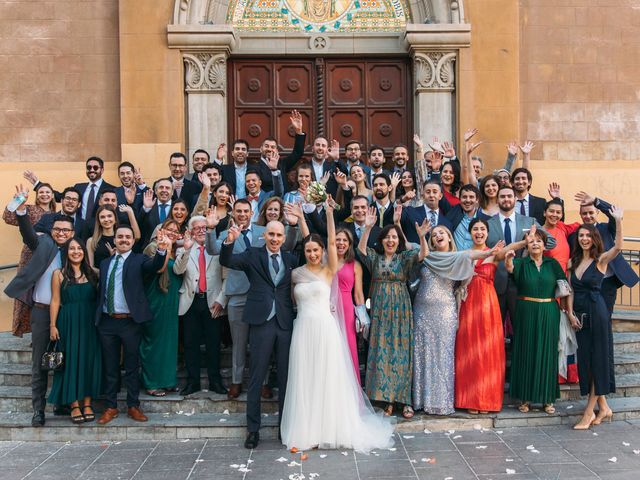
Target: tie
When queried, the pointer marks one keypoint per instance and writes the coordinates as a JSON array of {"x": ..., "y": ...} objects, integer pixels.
[
  {"x": 522, "y": 211},
  {"x": 202, "y": 266},
  {"x": 432, "y": 218},
  {"x": 111, "y": 287},
  {"x": 507, "y": 231},
  {"x": 358, "y": 232},
  {"x": 274, "y": 263},
  {"x": 247, "y": 243},
  {"x": 381, "y": 216},
  {"x": 163, "y": 212},
  {"x": 252, "y": 198},
  {"x": 91, "y": 201}
]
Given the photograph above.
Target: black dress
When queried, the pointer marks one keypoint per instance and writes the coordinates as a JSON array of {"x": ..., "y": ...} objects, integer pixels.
[
  {"x": 102, "y": 251},
  {"x": 595, "y": 339}
]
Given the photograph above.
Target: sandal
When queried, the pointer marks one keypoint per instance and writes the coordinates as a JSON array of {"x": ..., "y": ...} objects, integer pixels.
[
  {"x": 549, "y": 409},
  {"x": 472, "y": 411},
  {"x": 407, "y": 412},
  {"x": 156, "y": 393},
  {"x": 77, "y": 419},
  {"x": 388, "y": 411},
  {"x": 87, "y": 412},
  {"x": 524, "y": 407}
]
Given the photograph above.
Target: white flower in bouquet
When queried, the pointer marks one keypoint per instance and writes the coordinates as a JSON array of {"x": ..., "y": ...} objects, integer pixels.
[{"x": 317, "y": 194}]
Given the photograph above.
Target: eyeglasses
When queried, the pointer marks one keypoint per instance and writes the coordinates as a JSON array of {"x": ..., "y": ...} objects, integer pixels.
[
  {"x": 93, "y": 167},
  {"x": 353, "y": 149},
  {"x": 61, "y": 230},
  {"x": 196, "y": 229},
  {"x": 71, "y": 199},
  {"x": 174, "y": 165}
]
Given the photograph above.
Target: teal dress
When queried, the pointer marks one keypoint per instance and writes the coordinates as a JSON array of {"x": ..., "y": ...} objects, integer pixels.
[
  {"x": 389, "y": 365},
  {"x": 79, "y": 340},
  {"x": 534, "y": 362},
  {"x": 159, "y": 345}
]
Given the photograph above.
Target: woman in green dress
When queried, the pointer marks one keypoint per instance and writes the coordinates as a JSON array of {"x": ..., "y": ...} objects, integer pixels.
[
  {"x": 73, "y": 311},
  {"x": 534, "y": 362},
  {"x": 389, "y": 364},
  {"x": 159, "y": 345}
]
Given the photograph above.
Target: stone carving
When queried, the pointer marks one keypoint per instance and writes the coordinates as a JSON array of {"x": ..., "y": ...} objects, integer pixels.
[
  {"x": 434, "y": 71},
  {"x": 346, "y": 84},
  {"x": 293, "y": 85},
  {"x": 254, "y": 130},
  {"x": 319, "y": 42},
  {"x": 346, "y": 130},
  {"x": 254, "y": 85},
  {"x": 205, "y": 71},
  {"x": 385, "y": 129}
]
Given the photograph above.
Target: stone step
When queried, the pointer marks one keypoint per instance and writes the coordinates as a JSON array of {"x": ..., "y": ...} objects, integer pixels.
[
  {"x": 627, "y": 363},
  {"x": 626, "y": 342},
  {"x": 18, "y": 399},
  {"x": 626, "y": 320},
  {"x": 173, "y": 426}
]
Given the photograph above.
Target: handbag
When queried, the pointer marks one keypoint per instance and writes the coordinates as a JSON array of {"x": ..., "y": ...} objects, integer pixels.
[
  {"x": 563, "y": 289},
  {"x": 52, "y": 359}
]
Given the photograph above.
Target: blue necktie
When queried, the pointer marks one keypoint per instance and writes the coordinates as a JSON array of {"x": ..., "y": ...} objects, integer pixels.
[
  {"x": 274, "y": 262},
  {"x": 522, "y": 210},
  {"x": 163, "y": 212},
  {"x": 507, "y": 231},
  {"x": 247, "y": 243}
]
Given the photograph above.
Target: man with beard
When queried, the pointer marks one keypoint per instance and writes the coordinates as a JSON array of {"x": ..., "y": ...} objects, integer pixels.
[
  {"x": 234, "y": 174},
  {"x": 430, "y": 210},
  {"x": 155, "y": 211},
  {"x": 353, "y": 153},
  {"x": 213, "y": 174},
  {"x": 323, "y": 161},
  {"x": 460, "y": 216},
  {"x": 130, "y": 192},
  {"x": 376, "y": 162},
  {"x": 527, "y": 204},
  {"x": 510, "y": 226},
  {"x": 70, "y": 208},
  {"x": 384, "y": 207},
  {"x": 199, "y": 159},
  {"x": 400, "y": 159},
  {"x": 182, "y": 188}
]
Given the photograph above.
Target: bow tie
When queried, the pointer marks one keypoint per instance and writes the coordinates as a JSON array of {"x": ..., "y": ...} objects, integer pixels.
[{"x": 252, "y": 198}]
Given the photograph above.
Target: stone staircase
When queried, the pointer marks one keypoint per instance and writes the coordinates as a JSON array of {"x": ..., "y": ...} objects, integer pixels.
[{"x": 208, "y": 415}]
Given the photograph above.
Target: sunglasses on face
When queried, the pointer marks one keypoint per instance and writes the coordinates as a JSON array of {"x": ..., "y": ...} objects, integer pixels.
[{"x": 93, "y": 167}]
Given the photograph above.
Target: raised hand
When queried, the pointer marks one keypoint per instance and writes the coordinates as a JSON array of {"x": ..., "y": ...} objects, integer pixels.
[
  {"x": 472, "y": 146},
  {"x": 147, "y": 199},
  {"x": 418, "y": 141},
  {"x": 424, "y": 228},
  {"x": 509, "y": 255},
  {"x": 329, "y": 205},
  {"x": 527, "y": 147},
  {"x": 233, "y": 233},
  {"x": 449, "y": 150},
  {"x": 130, "y": 194},
  {"x": 272, "y": 160},
  {"x": 221, "y": 152},
  {"x": 296, "y": 121},
  {"x": 395, "y": 180},
  {"x": 111, "y": 249},
  {"x": 512, "y": 148},
  {"x": 204, "y": 180},
  {"x": 212, "y": 218},
  {"x": 532, "y": 233},
  {"x": 325, "y": 178},
  {"x": 30, "y": 177},
  {"x": 410, "y": 195},
  {"x": 584, "y": 198},
  {"x": 616, "y": 212},
  {"x": 397, "y": 214},
  {"x": 125, "y": 208},
  {"x": 469, "y": 134},
  {"x": 554, "y": 190},
  {"x": 496, "y": 248},
  {"x": 137, "y": 176},
  {"x": 372, "y": 217},
  {"x": 334, "y": 150},
  {"x": 187, "y": 240},
  {"x": 290, "y": 214},
  {"x": 163, "y": 240},
  {"x": 232, "y": 201},
  {"x": 340, "y": 177},
  {"x": 21, "y": 191}
]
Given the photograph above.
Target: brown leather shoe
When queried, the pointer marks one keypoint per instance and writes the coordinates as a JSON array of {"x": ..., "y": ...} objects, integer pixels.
[
  {"x": 108, "y": 415},
  {"x": 266, "y": 392},
  {"x": 234, "y": 390},
  {"x": 136, "y": 414}
]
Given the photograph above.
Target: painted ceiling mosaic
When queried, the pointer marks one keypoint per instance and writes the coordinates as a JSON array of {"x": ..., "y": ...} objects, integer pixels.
[{"x": 318, "y": 15}]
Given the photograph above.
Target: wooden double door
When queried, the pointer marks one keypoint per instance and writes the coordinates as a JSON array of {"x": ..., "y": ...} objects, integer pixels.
[{"x": 364, "y": 100}]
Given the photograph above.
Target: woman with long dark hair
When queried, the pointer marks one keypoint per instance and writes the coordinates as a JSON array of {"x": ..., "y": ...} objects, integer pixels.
[
  {"x": 592, "y": 320},
  {"x": 450, "y": 179},
  {"x": 489, "y": 187},
  {"x": 73, "y": 309}
]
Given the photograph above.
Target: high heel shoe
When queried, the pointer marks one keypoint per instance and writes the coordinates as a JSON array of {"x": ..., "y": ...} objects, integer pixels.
[
  {"x": 585, "y": 426},
  {"x": 606, "y": 416}
]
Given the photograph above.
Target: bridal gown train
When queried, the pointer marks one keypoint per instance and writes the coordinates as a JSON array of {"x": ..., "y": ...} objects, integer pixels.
[{"x": 324, "y": 405}]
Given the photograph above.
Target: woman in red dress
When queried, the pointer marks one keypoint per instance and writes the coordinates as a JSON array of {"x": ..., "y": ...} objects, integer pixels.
[{"x": 480, "y": 356}]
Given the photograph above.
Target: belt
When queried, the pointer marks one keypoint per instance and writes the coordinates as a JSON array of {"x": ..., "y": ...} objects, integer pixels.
[
  {"x": 120, "y": 315},
  {"x": 201, "y": 295},
  {"x": 537, "y": 300},
  {"x": 40, "y": 305}
]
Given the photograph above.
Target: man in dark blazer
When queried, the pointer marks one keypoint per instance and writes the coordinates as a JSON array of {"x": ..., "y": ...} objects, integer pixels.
[
  {"x": 461, "y": 215},
  {"x": 268, "y": 311},
  {"x": 32, "y": 285},
  {"x": 430, "y": 210},
  {"x": 376, "y": 163},
  {"x": 269, "y": 147},
  {"x": 527, "y": 204},
  {"x": 182, "y": 188},
  {"x": 619, "y": 272},
  {"x": 323, "y": 161},
  {"x": 89, "y": 191},
  {"x": 129, "y": 192},
  {"x": 70, "y": 207},
  {"x": 121, "y": 310},
  {"x": 255, "y": 191},
  {"x": 384, "y": 208},
  {"x": 353, "y": 153},
  {"x": 155, "y": 210}
]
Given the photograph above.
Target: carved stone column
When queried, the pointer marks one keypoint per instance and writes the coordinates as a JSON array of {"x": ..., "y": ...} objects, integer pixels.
[
  {"x": 205, "y": 79},
  {"x": 434, "y": 84}
]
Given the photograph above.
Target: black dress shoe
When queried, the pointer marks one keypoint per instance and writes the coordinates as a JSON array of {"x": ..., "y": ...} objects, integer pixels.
[
  {"x": 189, "y": 389},
  {"x": 38, "y": 418},
  {"x": 253, "y": 438},
  {"x": 217, "y": 387}
]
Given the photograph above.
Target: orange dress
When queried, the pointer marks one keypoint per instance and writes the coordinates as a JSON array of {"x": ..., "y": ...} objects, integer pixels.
[
  {"x": 480, "y": 356},
  {"x": 562, "y": 250}
]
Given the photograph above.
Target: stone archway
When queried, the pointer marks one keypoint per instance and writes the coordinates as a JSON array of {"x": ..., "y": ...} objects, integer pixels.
[{"x": 432, "y": 36}]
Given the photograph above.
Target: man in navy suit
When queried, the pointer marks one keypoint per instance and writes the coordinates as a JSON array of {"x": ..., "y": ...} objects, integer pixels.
[
  {"x": 155, "y": 211},
  {"x": 431, "y": 196},
  {"x": 384, "y": 208},
  {"x": 527, "y": 204},
  {"x": 619, "y": 272},
  {"x": 234, "y": 173},
  {"x": 129, "y": 192},
  {"x": 268, "y": 311},
  {"x": 121, "y": 310},
  {"x": 182, "y": 188},
  {"x": 376, "y": 162},
  {"x": 70, "y": 207},
  {"x": 352, "y": 153},
  {"x": 323, "y": 160}
]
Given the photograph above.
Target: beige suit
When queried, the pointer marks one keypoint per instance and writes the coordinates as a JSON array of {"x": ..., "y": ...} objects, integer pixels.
[{"x": 187, "y": 264}]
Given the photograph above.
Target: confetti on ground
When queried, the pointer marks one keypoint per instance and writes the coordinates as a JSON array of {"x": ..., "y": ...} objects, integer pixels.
[
  {"x": 184, "y": 441},
  {"x": 508, "y": 459},
  {"x": 427, "y": 431},
  {"x": 235, "y": 465},
  {"x": 180, "y": 412},
  {"x": 613, "y": 459},
  {"x": 344, "y": 453},
  {"x": 294, "y": 450},
  {"x": 222, "y": 420},
  {"x": 481, "y": 447},
  {"x": 569, "y": 407},
  {"x": 595, "y": 434},
  {"x": 191, "y": 413},
  {"x": 392, "y": 449},
  {"x": 408, "y": 436},
  {"x": 226, "y": 412},
  {"x": 198, "y": 460},
  {"x": 428, "y": 460},
  {"x": 637, "y": 452},
  {"x": 448, "y": 478},
  {"x": 457, "y": 437},
  {"x": 451, "y": 432},
  {"x": 413, "y": 461},
  {"x": 530, "y": 447},
  {"x": 324, "y": 455},
  {"x": 265, "y": 414},
  {"x": 626, "y": 444},
  {"x": 293, "y": 464},
  {"x": 510, "y": 471},
  {"x": 304, "y": 456},
  {"x": 244, "y": 470},
  {"x": 499, "y": 432},
  {"x": 314, "y": 475},
  {"x": 249, "y": 461},
  {"x": 281, "y": 460}
]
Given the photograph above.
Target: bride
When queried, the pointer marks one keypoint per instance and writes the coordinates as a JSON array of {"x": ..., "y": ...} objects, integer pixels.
[{"x": 325, "y": 406}]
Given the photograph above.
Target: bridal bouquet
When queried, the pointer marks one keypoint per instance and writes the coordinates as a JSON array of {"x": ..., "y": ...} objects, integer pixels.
[{"x": 317, "y": 194}]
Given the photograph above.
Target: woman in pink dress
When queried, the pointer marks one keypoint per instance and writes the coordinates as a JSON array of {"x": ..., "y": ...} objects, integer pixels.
[{"x": 350, "y": 285}]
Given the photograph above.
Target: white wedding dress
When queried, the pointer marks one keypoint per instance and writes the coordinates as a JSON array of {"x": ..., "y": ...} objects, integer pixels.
[{"x": 324, "y": 405}]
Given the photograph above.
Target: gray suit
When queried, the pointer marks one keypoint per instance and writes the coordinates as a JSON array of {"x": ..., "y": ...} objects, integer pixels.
[
  {"x": 21, "y": 287},
  {"x": 505, "y": 288},
  {"x": 236, "y": 288}
]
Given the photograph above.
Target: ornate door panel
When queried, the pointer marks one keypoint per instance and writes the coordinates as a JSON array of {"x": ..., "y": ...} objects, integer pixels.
[{"x": 362, "y": 100}]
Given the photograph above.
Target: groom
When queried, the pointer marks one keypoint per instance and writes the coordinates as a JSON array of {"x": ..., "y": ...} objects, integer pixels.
[{"x": 268, "y": 311}]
